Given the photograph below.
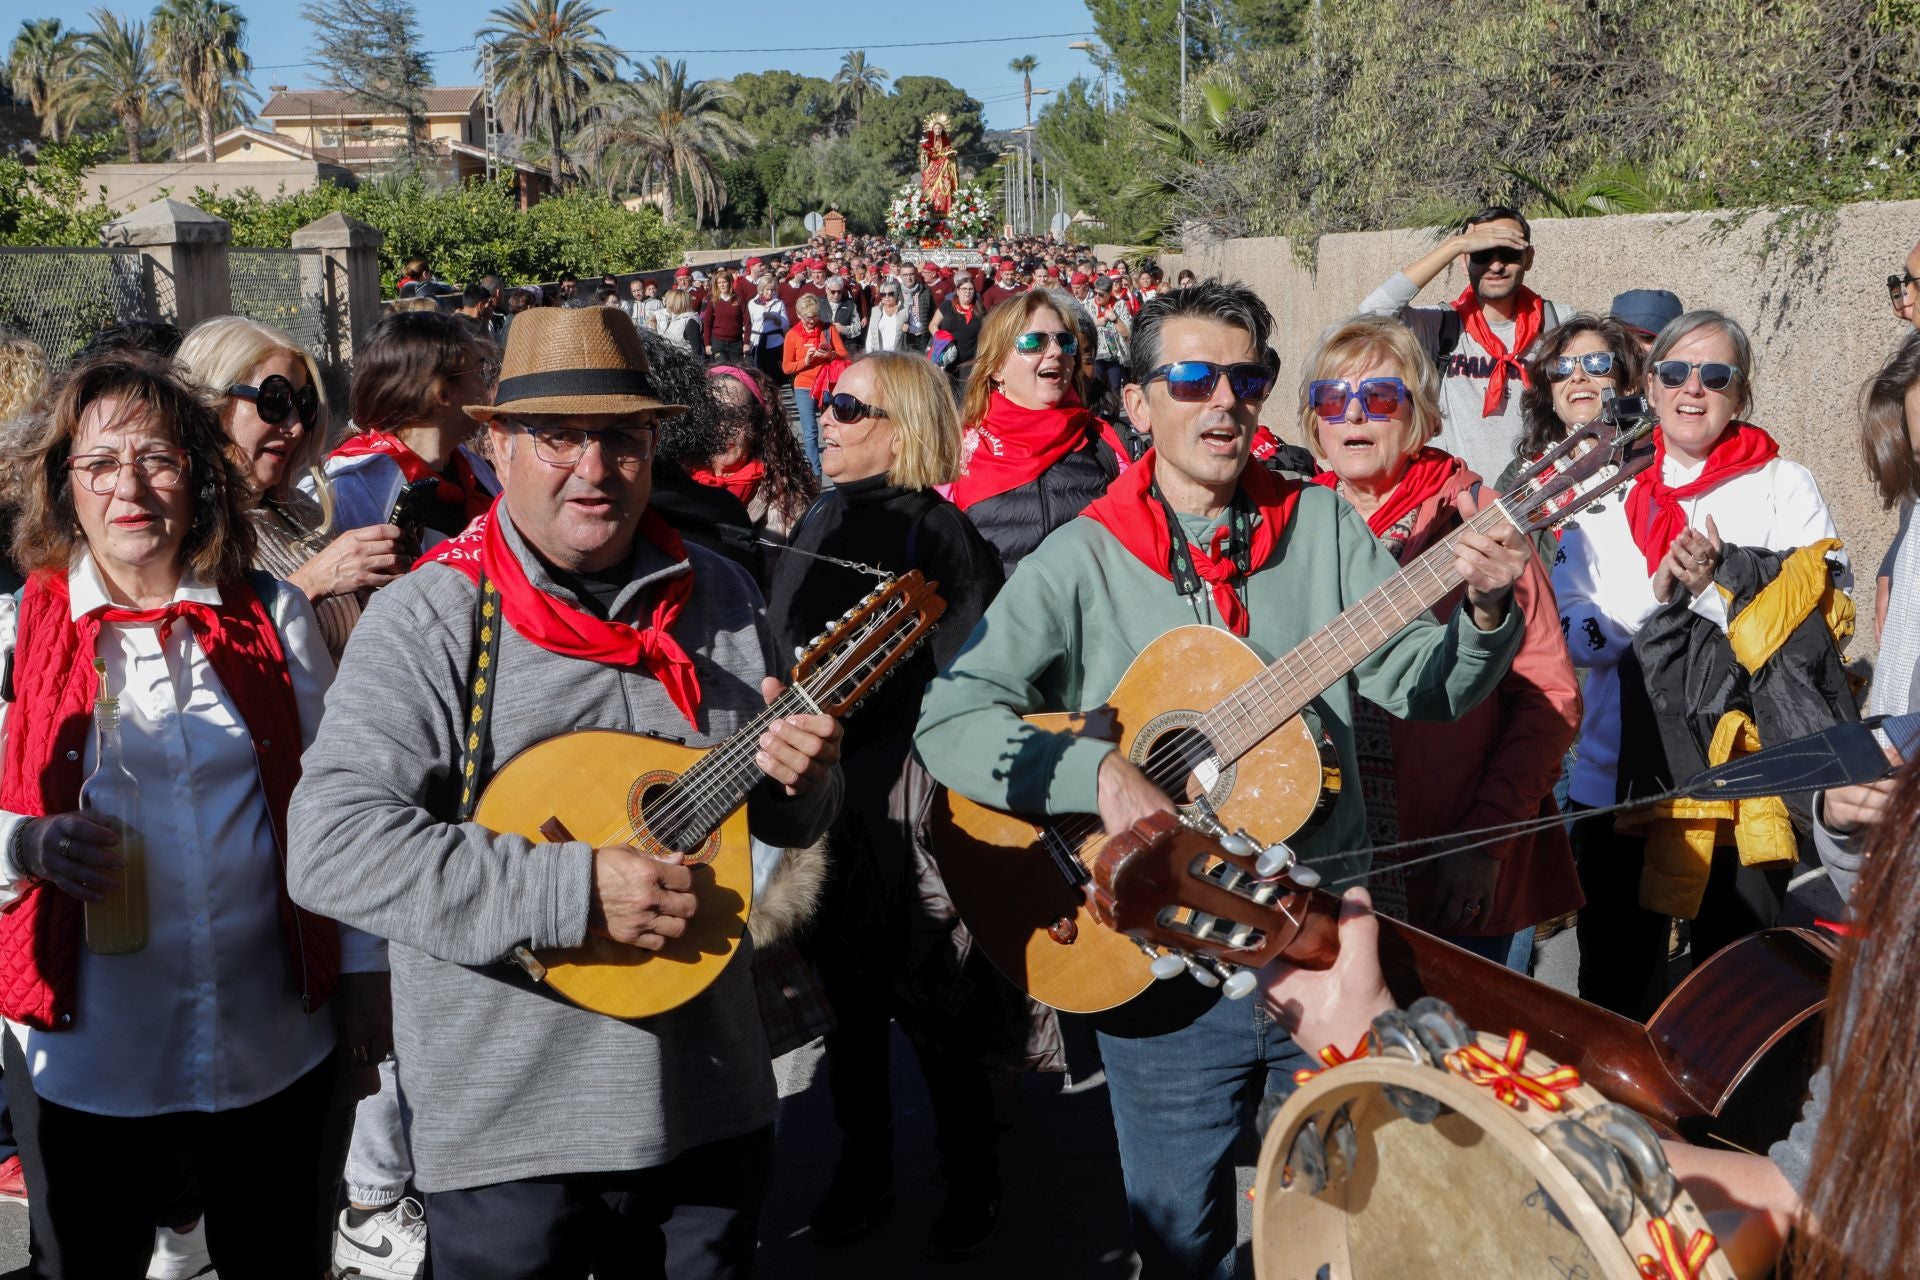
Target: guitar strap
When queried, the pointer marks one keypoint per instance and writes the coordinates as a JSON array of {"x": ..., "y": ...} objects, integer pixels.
[
  {"x": 1186, "y": 579},
  {"x": 476, "y": 750}
]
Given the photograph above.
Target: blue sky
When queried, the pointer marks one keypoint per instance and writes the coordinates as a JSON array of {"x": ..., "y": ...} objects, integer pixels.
[{"x": 278, "y": 35}]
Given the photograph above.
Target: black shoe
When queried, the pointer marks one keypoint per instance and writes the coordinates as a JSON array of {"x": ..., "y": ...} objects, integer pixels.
[
  {"x": 966, "y": 1221},
  {"x": 857, "y": 1202}
]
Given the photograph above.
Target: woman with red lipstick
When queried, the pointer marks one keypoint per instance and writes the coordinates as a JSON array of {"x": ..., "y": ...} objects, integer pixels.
[
  {"x": 206, "y": 1047},
  {"x": 1717, "y": 483},
  {"x": 1368, "y": 409},
  {"x": 1034, "y": 456}
]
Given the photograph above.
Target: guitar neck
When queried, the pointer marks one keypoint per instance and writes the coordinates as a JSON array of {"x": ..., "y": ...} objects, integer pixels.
[
  {"x": 1245, "y": 717},
  {"x": 707, "y": 794}
]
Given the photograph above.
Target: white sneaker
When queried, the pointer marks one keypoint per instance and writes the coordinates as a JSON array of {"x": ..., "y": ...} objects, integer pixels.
[
  {"x": 180, "y": 1255},
  {"x": 389, "y": 1245}
]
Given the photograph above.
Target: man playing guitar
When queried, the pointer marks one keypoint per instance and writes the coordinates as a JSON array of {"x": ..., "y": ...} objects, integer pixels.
[
  {"x": 550, "y": 1140},
  {"x": 1262, "y": 556}
]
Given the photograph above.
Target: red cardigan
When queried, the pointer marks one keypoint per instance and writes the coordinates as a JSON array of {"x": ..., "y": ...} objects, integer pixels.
[{"x": 1499, "y": 761}]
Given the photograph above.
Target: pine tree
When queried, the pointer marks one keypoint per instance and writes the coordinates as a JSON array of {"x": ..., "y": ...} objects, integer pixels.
[{"x": 371, "y": 50}]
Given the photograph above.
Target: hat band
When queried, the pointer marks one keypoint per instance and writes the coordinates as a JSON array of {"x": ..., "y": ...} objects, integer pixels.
[{"x": 574, "y": 382}]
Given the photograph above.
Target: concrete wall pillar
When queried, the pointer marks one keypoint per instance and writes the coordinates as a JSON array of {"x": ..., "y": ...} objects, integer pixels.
[
  {"x": 345, "y": 274},
  {"x": 183, "y": 260}
]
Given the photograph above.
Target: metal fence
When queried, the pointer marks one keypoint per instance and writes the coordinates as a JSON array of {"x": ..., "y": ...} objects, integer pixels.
[
  {"x": 61, "y": 298},
  {"x": 283, "y": 288}
]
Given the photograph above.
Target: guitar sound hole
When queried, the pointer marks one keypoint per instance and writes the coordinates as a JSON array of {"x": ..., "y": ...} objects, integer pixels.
[
  {"x": 1175, "y": 758},
  {"x": 665, "y": 823}
]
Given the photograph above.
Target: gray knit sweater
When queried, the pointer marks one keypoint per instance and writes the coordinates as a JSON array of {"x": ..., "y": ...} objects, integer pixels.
[{"x": 506, "y": 1081}]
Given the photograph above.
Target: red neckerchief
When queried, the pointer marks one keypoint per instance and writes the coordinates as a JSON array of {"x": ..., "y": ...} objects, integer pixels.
[
  {"x": 1014, "y": 445},
  {"x": 1654, "y": 515},
  {"x": 1129, "y": 511},
  {"x": 1528, "y": 314},
  {"x": 1426, "y": 474},
  {"x": 462, "y": 489},
  {"x": 740, "y": 482},
  {"x": 55, "y": 684},
  {"x": 572, "y": 632}
]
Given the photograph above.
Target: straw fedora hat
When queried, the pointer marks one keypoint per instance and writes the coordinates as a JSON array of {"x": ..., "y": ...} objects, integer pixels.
[{"x": 573, "y": 360}]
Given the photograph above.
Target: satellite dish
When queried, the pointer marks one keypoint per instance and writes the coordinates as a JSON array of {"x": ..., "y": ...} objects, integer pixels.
[
  {"x": 813, "y": 222},
  {"x": 1061, "y": 222}
]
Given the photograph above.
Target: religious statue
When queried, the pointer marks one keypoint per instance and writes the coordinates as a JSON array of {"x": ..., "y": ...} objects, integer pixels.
[{"x": 939, "y": 179}]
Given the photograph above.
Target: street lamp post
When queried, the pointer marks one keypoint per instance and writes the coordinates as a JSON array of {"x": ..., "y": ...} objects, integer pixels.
[
  {"x": 1099, "y": 60},
  {"x": 1183, "y": 61}
]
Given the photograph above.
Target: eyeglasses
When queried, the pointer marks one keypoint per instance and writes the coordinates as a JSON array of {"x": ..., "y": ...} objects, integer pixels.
[
  {"x": 1897, "y": 285},
  {"x": 849, "y": 410},
  {"x": 566, "y": 446},
  {"x": 100, "y": 472},
  {"x": 1380, "y": 398},
  {"x": 1500, "y": 253},
  {"x": 1193, "y": 380},
  {"x": 1598, "y": 364},
  {"x": 275, "y": 398},
  {"x": 1714, "y": 374},
  {"x": 1028, "y": 343}
]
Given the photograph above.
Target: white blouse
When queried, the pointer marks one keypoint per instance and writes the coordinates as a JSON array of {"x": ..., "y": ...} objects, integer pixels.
[
  {"x": 207, "y": 1017},
  {"x": 1606, "y": 594},
  {"x": 883, "y": 330}
]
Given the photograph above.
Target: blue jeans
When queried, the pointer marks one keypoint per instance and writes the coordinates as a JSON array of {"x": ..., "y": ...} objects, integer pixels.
[
  {"x": 803, "y": 409},
  {"x": 1514, "y": 950},
  {"x": 1181, "y": 1100}
]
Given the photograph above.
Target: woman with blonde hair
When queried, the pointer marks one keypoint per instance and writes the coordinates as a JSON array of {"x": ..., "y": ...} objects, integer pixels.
[
  {"x": 677, "y": 322},
  {"x": 889, "y": 434},
  {"x": 1369, "y": 407},
  {"x": 24, "y": 374},
  {"x": 1035, "y": 455},
  {"x": 812, "y": 344},
  {"x": 273, "y": 405}
]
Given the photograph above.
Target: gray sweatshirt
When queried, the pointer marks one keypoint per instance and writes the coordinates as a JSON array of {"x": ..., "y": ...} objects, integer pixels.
[
  {"x": 1487, "y": 443},
  {"x": 505, "y": 1081}
]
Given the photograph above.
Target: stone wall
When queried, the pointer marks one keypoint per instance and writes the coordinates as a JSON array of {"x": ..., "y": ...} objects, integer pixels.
[
  {"x": 131, "y": 186},
  {"x": 1820, "y": 322}
]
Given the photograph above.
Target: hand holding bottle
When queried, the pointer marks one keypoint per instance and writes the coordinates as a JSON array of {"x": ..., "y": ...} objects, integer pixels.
[{"x": 71, "y": 852}]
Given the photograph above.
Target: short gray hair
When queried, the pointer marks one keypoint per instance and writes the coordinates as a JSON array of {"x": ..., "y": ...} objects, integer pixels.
[
  {"x": 1683, "y": 326},
  {"x": 1230, "y": 303}
]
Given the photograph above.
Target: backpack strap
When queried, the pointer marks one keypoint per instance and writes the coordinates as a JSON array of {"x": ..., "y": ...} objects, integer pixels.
[{"x": 1447, "y": 340}]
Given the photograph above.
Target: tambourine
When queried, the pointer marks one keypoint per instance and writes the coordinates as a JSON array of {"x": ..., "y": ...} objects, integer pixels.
[{"x": 1435, "y": 1151}]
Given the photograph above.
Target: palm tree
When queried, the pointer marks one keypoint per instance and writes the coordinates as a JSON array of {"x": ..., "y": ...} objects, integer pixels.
[
  {"x": 668, "y": 130},
  {"x": 38, "y": 63},
  {"x": 115, "y": 72},
  {"x": 855, "y": 80},
  {"x": 1026, "y": 64},
  {"x": 547, "y": 57},
  {"x": 198, "y": 44}
]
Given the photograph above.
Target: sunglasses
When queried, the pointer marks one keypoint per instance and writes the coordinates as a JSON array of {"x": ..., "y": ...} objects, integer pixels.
[
  {"x": 1191, "y": 380},
  {"x": 1714, "y": 375},
  {"x": 1503, "y": 253},
  {"x": 1380, "y": 398},
  {"x": 275, "y": 398},
  {"x": 1028, "y": 343},
  {"x": 1598, "y": 364},
  {"x": 849, "y": 410},
  {"x": 1897, "y": 285}
]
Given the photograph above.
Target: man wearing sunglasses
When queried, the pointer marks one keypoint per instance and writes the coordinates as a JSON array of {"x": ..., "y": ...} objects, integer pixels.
[
  {"x": 1480, "y": 340},
  {"x": 543, "y": 1133},
  {"x": 1191, "y": 533}
]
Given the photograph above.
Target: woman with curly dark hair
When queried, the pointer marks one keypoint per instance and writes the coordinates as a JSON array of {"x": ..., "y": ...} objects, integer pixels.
[{"x": 760, "y": 461}]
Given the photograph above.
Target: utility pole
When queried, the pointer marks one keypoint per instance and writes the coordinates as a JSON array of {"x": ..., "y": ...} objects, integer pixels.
[{"x": 1183, "y": 61}]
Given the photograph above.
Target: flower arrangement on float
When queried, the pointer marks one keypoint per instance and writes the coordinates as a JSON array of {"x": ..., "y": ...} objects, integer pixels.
[{"x": 912, "y": 219}]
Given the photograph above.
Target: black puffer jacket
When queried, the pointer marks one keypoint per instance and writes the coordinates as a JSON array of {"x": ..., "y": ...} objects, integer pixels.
[{"x": 1016, "y": 521}]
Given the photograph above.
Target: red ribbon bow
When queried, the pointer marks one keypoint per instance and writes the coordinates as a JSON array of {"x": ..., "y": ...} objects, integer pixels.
[
  {"x": 1332, "y": 1056},
  {"x": 1669, "y": 1261},
  {"x": 1504, "y": 1076},
  {"x": 166, "y": 615}
]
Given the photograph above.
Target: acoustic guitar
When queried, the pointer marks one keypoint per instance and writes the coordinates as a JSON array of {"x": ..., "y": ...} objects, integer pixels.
[
  {"x": 1217, "y": 728},
  {"x": 612, "y": 788},
  {"x": 1726, "y": 1057}
]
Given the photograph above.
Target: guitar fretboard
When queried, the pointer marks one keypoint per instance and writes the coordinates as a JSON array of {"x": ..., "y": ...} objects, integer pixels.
[{"x": 1245, "y": 717}]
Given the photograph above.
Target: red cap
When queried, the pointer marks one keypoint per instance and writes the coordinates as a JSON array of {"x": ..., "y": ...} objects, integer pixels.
[
  {"x": 683, "y": 273},
  {"x": 1079, "y": 278},
  {"x": 750, "y": 264}
]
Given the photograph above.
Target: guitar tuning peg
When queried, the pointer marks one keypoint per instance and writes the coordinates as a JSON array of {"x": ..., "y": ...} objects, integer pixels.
[
  {"x": 1239, "y": 844},
  {"x": 1306, "y": 877},
  {"x": 1239, "y": 984},
  {"x": 1274, "y": 859},
  {"x": 1200, "y": 973},
  {"x": 1166, "y": 964}
]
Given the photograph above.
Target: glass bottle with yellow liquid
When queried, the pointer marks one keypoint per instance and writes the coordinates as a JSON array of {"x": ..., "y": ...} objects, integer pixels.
[{"x": 117, "y": 924}]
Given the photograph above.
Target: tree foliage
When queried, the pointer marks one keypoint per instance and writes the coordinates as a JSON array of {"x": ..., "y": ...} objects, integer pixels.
[
  {"x": 548, "y": 56},
  {"x": 38, "y": 63},
  {"x": 48, "y": 202},
  {"x": 200, "y": 45},
  {"x": 667, "y": 132},
  {"x": 370, "y": 49},
  {"x": 114, "y": 72}
]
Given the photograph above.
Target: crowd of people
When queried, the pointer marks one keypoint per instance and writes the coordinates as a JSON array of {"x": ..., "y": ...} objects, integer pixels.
[{"x": 278, "y": 603}]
